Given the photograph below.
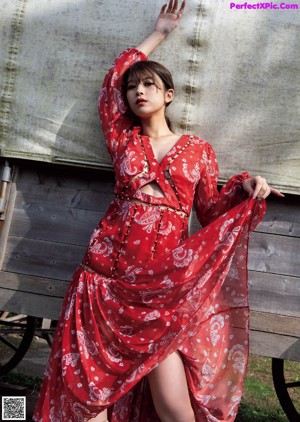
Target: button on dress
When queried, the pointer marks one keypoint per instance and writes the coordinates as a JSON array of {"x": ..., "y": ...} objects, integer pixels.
[{"x": 145, "y": 288}]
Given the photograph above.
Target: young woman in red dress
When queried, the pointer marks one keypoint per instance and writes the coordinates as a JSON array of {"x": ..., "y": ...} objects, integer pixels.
[{"x": 154, "y": 326}]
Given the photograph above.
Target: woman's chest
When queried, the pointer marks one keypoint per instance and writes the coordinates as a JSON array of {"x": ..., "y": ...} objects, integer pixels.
[{"x": 182, "y": 161}]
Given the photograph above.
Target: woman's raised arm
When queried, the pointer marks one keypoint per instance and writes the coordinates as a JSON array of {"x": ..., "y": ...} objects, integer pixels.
[
  {"x": 112, "y": 108},
  {"x": 168, "y": 20}
]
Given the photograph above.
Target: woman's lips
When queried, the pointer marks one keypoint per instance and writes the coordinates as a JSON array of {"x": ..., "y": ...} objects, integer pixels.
[{"x": 140, "y": 101}]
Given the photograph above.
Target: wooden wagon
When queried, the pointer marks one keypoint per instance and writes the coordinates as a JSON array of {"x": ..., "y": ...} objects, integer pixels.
[
  {"x": 51, "y": 214},
  {"x": 60, "y": 183}
]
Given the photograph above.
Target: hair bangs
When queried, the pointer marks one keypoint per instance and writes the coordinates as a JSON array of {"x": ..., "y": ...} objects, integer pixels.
[
  {"x": 149, "y": 69},
  {"x": 142, "y": 70}
]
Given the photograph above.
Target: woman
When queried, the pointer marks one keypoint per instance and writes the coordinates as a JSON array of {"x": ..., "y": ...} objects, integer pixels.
[{"x": 154, "y": 323}]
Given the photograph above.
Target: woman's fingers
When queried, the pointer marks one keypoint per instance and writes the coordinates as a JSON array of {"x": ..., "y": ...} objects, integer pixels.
[
  {"x": 181, "y": 8},
  {"x": 262, "y": 189},
  {"x": 277, "y": 192},
  {"x": 265, "y": 192},
  {"x": 163, "y": 9},
  {"x": 172, "y": 7},
  {"x": 169, "y": 18},
  {"x": 175, "y": 5}
]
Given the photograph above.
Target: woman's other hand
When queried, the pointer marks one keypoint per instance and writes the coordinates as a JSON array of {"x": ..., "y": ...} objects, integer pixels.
[
  {"x": 169, "y": 17},
  {"x": 257, "y": 187}
]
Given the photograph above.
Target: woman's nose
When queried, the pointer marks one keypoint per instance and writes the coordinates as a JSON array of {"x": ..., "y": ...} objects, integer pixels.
[{"x": 139, "y": 89}]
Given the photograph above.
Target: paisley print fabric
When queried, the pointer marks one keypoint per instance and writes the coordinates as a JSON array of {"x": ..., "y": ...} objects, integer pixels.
[{"x": 145, "y": 288}]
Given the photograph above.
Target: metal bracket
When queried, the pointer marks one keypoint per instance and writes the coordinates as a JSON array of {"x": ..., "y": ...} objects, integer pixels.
[{"x": 5, "y": 180}]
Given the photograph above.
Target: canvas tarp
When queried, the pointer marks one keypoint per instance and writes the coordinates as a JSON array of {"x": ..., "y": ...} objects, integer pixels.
[{"x": 236, "y": 73}]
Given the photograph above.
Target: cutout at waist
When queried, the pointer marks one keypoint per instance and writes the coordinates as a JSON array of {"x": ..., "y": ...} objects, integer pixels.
[{"x": 153, "y": 189}]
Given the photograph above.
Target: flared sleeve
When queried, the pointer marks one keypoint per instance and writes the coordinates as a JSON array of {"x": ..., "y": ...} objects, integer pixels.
[
  {"x": 209, "y": 202},
  {"x": 111, "y": 105}
]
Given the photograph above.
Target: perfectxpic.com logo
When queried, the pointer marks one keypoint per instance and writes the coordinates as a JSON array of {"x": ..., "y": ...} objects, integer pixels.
[{"x": 266, "y": 6}]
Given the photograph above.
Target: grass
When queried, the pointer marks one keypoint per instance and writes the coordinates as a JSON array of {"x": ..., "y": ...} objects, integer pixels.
[
  {"x": 259, "y": 402},
  {"x": 249, "y": 413},
  {"x": 17, "y": 377}
]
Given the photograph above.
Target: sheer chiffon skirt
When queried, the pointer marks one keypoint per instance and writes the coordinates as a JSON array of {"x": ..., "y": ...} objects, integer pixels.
[{"x": 113, "y": 331}]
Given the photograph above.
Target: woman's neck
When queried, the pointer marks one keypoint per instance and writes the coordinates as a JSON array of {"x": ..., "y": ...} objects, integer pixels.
[{"x": 155, "y": 129}]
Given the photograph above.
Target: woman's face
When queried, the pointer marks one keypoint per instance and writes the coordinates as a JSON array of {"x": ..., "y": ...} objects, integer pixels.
[{"x": 147, "y": 97}]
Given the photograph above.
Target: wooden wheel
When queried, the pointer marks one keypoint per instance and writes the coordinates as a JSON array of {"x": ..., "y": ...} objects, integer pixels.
[
  {"x": 282, "y": 390},
  {"x": 16, "y": 333}
]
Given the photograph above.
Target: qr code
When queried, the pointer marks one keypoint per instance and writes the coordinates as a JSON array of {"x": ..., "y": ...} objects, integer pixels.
[{"x": 14, "y": 408}]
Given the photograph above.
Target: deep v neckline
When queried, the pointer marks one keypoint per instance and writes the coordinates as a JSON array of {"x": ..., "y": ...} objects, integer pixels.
[{"x": 168, "y": 156}]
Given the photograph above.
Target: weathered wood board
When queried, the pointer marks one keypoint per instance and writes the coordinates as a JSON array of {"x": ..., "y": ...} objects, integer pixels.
[{"x": 54, "y": 211}]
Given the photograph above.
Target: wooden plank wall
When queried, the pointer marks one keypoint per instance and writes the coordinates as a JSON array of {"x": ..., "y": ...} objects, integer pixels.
[
  {"x": 54, "y": 213},
  {"x": 54, "y": 210}
]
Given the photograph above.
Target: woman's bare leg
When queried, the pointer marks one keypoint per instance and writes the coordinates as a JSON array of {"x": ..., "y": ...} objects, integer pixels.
[
  {"x": 169, "y": 391},
  {"x": 102, "y": 417}
]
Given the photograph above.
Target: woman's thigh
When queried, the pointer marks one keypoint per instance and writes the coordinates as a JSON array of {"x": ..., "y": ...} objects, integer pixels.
[
  {"x": 102, "y": 417},
  {"x": 169, "y": 390}
]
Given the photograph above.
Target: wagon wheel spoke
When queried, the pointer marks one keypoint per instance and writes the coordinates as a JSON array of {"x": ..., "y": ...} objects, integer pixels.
[
  {"x": 293, "y": 384},
  {"x": 281, "y": 388},
  {"x": 16, "y": 333},
  {"x": 8, "y": 343}
]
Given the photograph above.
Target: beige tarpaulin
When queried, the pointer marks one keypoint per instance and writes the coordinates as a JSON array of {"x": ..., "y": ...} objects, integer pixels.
[{"x": 236, "y": 71}]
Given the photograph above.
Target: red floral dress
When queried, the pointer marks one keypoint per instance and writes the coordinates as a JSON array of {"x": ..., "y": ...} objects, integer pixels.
[{"x": 145, "y": 289}]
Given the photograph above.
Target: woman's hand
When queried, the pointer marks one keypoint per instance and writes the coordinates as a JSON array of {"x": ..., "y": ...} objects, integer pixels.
[
  {"x": 167, "y": 21},
  {"x": 169, "y": 17},
  {"x": 257, "y": 187}
]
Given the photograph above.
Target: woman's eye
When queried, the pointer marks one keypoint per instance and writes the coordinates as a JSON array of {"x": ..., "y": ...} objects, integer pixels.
[
  {"x": 148, "y": 83},
  {"x": 130, "y": 86}
]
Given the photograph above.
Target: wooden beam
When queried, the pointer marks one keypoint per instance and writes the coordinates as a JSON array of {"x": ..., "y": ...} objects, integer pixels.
[
  {"x": 274, "y": 254},
  {"x": 266, "y": 322},
  {"x": 275, "y": 293},
  {"x": 30, "y": 304},
  {"x": 274, "y": 345},
  {"x": 41, "y": 258},
  {"x": 33, "y": 284},
  {"x": 54, "y": 223}
]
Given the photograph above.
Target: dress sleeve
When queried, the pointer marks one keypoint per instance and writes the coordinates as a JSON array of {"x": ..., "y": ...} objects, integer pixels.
[
  {"x": 111, "y": 105},
  {"x": 209, "y": 202}
]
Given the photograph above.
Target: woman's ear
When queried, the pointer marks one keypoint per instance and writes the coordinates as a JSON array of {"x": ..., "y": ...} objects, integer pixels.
[{"x": 169, "y": 96}]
